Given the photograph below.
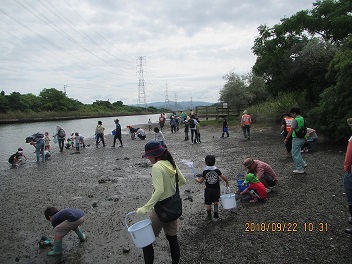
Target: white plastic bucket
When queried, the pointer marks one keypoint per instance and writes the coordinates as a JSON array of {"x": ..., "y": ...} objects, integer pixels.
[
  {"x": 228, "y": 200},
  {"x": 141, "y": 232}
]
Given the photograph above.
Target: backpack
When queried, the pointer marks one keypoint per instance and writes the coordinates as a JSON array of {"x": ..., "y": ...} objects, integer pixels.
[
  {"x": 192, "y": 124},
  {"x": 61, "y": 133},
  {"x": 38, "y": 135},
  {"x": 12, "y": 157},
  {"x": 302, "y": 132}
]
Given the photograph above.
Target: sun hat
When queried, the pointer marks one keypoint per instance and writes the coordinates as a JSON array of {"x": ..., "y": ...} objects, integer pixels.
[
  {"x": 248, "y": 162},
  {"x": 250, "y": 177},
  {"x": 245, "y": 112},
  {"x": 349, "y": 122},
  {"x": 153, "y": 149}
]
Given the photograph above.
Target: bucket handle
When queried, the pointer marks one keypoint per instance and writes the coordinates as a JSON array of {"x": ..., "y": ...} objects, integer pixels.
[
  {"x": 227, "y": 190},
  {"x": 133, "y": 212}
]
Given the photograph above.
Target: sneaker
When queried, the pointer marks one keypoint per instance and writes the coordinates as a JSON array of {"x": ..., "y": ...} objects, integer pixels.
[
  {"x": 113, "y": 146},
  {"x": 216, "y": 215},
  {"x": 305, "y": 165},
  {"x": 298, "y": 171},
  {"x": 268, "y": 189},
  {"x": 121, "y": 146}
]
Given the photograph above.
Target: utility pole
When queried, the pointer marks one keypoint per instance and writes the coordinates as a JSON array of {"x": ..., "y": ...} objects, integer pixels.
[
  {"x": 65, "y": 88},
  {"x": 191, "y": 104},
  {"x": 166, "y": 97},
  {"x": 141, "y": 83},
  {"x": 175, "y": 101}
]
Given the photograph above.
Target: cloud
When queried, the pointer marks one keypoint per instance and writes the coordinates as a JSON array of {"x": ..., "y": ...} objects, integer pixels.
[{"x": 92, "y": 47}]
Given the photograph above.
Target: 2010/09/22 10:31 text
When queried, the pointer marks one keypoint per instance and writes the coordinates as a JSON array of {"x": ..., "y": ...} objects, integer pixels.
[{"x": 286, "y": 227}]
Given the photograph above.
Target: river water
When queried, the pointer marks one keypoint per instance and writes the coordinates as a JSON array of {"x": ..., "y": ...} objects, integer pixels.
[{"x": 13, "y": 135}]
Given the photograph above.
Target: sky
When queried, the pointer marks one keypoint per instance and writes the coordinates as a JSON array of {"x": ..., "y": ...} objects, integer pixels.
[{"x": 132, "y": 51}]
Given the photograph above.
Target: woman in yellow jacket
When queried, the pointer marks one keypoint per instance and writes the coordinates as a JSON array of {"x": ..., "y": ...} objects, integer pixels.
[{"x": 163, "y": 176}]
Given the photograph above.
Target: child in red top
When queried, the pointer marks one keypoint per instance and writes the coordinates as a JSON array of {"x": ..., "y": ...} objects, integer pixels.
[{"x": 256, "y": 188}]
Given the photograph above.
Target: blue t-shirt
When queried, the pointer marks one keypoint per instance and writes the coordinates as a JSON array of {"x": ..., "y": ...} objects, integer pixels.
[{"x": 69, "y": 214}]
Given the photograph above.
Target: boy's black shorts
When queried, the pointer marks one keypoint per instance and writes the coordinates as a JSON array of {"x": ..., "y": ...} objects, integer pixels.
[{"x": 211, "y": 195}]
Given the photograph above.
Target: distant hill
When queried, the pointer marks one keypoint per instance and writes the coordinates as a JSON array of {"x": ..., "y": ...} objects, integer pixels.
[{"x": 184, "y": 105}]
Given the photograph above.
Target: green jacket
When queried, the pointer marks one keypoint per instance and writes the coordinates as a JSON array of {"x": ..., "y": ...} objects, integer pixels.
[{"x": 164, "y": 182}]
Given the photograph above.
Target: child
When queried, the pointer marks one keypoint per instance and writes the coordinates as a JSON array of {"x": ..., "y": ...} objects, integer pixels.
[
  {"x": 47, "y": 141},
  {"x": 150, "y": 124},
  {"x": 17, "y": 158},
  {"x": 256, "y": 188},
  {"x": 77, "y": 141},
  {"x": 132, "y": 131},
  {"x": 63, "y": 222},
  {"x": 212, "y": 175},
  {"x": 186, "y": 129},
  {"x": 99, "y": 134},
  {"x": 159, "y": 137}
]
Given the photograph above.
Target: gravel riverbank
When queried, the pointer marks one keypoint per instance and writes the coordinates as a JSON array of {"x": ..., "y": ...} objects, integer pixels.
[{"x": 108, "y": 183}]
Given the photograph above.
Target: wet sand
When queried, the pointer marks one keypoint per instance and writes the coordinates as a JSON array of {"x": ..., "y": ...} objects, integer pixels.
[{"x": 108, "y": 183}]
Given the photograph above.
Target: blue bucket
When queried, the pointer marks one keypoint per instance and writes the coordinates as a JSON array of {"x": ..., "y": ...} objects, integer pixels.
[{"x": 239, "y": 185}]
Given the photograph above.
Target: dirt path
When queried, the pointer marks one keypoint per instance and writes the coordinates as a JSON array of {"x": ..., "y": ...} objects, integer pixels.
[{"x": 108, "y": 183}]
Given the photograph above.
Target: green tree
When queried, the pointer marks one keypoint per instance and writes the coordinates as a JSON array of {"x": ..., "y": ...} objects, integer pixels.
[{"x": 53, "y": 100}]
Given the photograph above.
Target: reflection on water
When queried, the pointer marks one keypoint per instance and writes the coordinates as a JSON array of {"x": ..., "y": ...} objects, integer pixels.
[{"x": 13, "y": 135}]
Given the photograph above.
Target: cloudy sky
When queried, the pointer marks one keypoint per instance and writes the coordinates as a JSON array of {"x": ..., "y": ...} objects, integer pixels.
[{"x": 99, "y": 50}]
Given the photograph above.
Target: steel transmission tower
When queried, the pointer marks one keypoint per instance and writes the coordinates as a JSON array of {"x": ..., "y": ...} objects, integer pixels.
[
  {"x": 141, "y": 83},
  {"x": 166, "y": 97}
]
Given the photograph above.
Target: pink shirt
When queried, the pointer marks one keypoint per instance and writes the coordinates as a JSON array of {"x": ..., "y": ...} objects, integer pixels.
[
  {"x": 264, "y": 168},
  {"x": 348, "y": 157}
]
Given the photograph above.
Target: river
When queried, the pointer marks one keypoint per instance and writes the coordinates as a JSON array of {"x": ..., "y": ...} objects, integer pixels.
[{"x": 13, "y": 135}]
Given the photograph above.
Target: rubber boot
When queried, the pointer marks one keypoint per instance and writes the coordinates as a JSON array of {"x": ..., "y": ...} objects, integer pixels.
[
  {"x": 57, "y": 250},
  {"x": 208, "y": 215},
  {"x": 82, "y": 237},
  {"x": 216, "y": 211}
]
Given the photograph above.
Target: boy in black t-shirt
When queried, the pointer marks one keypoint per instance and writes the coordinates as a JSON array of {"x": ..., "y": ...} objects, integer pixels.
[{"x": 211, "y": 176}]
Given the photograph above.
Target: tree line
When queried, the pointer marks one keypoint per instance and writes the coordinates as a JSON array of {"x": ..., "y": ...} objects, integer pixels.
[
  {"x": 54, "y": 103},
  {"x": 305, "y": 60}
]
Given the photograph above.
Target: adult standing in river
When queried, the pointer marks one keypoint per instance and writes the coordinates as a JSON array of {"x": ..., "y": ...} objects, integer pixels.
[
  {"x": 117, "y": 133},
  {"x": 99, "y": 134}
]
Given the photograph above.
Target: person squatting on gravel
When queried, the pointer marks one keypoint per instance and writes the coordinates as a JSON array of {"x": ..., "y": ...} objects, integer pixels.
[
  {"x": 212, "y": 175},
  {"x": 256, "y": 189},
  {"x": 347, "y": 181},
  {"x": 63, "y": 222},
  {"x": 163, "y": 177},
  {"x": 263, "y": 171}
]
